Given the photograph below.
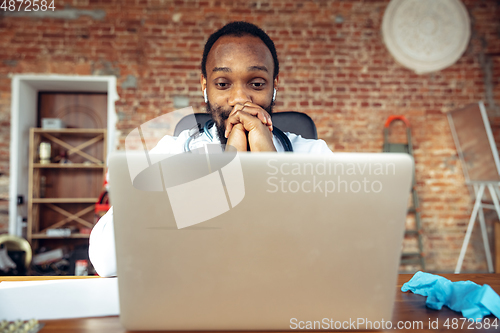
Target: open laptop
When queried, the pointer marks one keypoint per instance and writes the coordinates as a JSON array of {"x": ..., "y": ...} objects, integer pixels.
[{"x": 258, "y": 241}]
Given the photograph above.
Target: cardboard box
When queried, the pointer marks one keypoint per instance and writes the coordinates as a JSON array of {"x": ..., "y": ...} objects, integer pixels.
[{"x": 52, "y": 123}]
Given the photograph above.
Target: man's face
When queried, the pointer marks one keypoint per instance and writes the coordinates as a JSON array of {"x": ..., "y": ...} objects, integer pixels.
[{"x": 239, "y": 70}]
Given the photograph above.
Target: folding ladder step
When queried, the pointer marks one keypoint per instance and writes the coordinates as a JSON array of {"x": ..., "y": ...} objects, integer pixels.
[{"x": 407, "y": 147}]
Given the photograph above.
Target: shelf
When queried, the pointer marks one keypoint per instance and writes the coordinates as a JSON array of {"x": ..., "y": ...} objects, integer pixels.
[
  {"x": 71, "y": 131},
  {"x": 409, "y": 254},
  {"x": 68, "y": 200},
  {"x": 65, "y": 200},
  {"x": 68, "y": 166},
  {"x": 44, "y": 236}
]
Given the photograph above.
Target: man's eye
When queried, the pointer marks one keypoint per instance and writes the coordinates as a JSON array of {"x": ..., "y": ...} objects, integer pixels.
[
  {"x": 258, "y": 85},
  {"x": 222, "y": 85}
]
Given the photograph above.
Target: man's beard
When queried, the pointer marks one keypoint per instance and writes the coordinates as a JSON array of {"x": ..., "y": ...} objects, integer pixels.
[{"x": 220, "y": 115}]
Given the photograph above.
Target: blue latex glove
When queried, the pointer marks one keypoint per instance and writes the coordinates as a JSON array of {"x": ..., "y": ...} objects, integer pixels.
[{"x": 473, "y": 300}]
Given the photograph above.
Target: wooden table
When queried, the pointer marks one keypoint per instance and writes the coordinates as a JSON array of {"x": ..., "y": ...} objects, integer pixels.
[{"x": 409, "y": 309}]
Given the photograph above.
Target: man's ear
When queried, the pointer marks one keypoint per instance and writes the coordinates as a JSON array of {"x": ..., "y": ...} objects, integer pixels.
[
  {"x": 275, "y": 85},
  {"x": 276, "y": 82},
  {"x": 203, "y": 82}
]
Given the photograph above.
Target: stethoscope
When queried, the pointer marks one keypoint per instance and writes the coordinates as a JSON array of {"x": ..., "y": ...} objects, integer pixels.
[{"x": 197, "y": 130}]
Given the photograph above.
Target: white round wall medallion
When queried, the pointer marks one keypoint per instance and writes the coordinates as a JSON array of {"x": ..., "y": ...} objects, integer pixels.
[{"x": 426, "y": 35}]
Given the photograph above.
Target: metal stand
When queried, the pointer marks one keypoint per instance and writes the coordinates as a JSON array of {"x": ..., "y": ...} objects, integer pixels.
[
  {"x": 480, "y": 162},
  {"x": 479, "y": 187}
]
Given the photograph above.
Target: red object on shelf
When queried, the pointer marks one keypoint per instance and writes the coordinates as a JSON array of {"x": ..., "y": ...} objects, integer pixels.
[{"x": 102, "y": 206}]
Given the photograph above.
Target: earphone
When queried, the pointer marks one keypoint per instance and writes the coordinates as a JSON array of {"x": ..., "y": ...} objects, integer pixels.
[{"x": 206, "y": 98}]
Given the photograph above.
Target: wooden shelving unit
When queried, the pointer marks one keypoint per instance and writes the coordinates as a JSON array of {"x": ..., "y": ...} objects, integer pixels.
[
  {"x": 67, "y": 166},
  {"x": 64, "y": 195}
]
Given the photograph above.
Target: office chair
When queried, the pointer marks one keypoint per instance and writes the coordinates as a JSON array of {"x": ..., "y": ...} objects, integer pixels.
[
  {"x": 295, "y": 122},
  {"x": 186, "y": 123},
  {"x": 288, "y": 121}
]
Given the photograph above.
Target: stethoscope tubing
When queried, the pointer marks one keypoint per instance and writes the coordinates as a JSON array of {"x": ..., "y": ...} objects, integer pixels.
[{"x": 282, "y": 138}]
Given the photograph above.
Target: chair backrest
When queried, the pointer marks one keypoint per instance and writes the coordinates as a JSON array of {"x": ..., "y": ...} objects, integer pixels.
[
  {"x": 186, "y": 122},
  {"x": 288, "y": 121},
  {"x": 295, "y": 122}
]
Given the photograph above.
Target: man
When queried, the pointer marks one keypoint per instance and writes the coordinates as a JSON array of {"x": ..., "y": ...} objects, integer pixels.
[{"x": 239, "y": 81}]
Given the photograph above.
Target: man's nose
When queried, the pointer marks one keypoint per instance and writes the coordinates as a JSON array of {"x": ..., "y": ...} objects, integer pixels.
[{"x": 239, "y": 95}]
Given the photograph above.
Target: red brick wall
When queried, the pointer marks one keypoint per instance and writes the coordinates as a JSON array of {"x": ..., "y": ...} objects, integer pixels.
[{"x": 339, "y": 73}]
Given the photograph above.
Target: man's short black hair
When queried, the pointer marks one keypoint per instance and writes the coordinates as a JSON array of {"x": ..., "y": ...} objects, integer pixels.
[{"x": 240, "y": 29}]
